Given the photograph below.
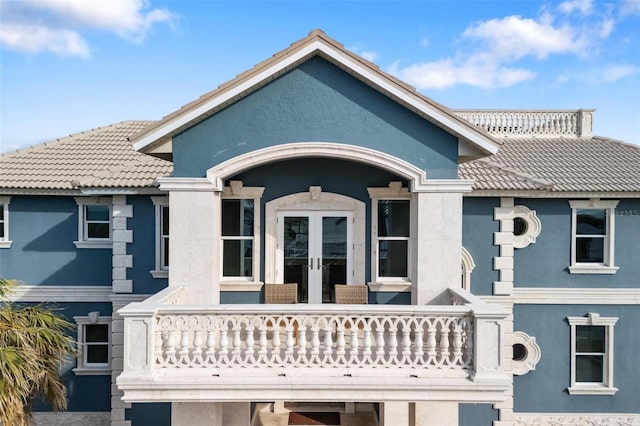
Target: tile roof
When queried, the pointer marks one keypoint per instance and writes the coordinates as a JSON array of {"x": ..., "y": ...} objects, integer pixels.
[
  {"x": 595, "y": 164},
  {"x": 98, "y": 158}
]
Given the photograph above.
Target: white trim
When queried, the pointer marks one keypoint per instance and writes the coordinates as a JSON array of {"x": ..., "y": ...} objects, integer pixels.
[
  {"x": 390, "y": 287},
  {"x": 5, "y": 242},
  {"x": 374, "y": 78},
  {"x": 575, "y": 419},
  {"x": 61, "y": 293},
  {"x": 534, "y": 226},
  {"x": 532, "y": 356},
  {"x": 82, "y": 366},
  {"x": 606, "y": 386},
  {"x": 187, "y": 184},
  {"x": 576, "y": 296},
  {"x": 607, "y": 266},
  {"x": 468, "y": 265},
  {"x": 540, "y": 193},
  {"x": 241, "y": 286},
  {"x": 84, "y": 242},
  {"x": 160, "y": 271}
]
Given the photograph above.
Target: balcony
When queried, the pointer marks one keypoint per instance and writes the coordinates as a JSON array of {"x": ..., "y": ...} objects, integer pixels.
[{"x": 179, "y": 352}]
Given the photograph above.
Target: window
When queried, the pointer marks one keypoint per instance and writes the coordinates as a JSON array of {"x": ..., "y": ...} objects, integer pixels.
[
  {"x": 240, "y": 232},
  {"x": 4, "y": 222},
  {"x": 592, "y": 243},
  {"x": 468, "y": 266},
  {"x": 94, "y": 344},
  {"x": 592, "y": 355},
  {"x": 162, "y": 237},
  {"x": 94, "y": 222},
  {"x": 526, "y": 226}
]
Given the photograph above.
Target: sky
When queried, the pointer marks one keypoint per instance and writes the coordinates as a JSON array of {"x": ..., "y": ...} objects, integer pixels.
[{"x": 68, "y": 66}]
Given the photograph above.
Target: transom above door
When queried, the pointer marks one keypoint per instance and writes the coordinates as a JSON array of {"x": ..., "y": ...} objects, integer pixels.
[{"x": 315, "y": 250}]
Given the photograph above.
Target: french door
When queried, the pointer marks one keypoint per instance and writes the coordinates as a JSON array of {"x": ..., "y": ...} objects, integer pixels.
[{"x": 315, "y": 250}]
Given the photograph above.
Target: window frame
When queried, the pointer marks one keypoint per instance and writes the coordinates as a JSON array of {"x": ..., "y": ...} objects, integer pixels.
[
  {"x": 160, "y": 271},
  {"x": 82, "y": 366},
  {"x": 237, "y": 191},
  {"x": 5, "y": 242},
  {"x": 83, "y": 240},
  {"x": 593, "y": 388},
  {"x": 608, "y": 264},
  {"x": 395, "y": 192}
]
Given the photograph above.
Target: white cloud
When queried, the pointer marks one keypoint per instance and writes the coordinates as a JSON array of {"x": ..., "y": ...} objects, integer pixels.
[
  {"x": 616, "y": 72},
  {"x": 568, "y": 7},
  {"x": 630, "y": 7},
  {"x": 34, "y": 39},
  {"x": 61, "y": 22},
  {"x": 606, "y": 27},
  {"x": 514, "y": 37},
  {"x": 369, "y": 56}
]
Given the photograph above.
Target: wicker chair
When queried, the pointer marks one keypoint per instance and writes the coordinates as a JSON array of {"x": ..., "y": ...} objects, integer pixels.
[
  {"x": 352, "y": 294},
  {"x": 280, "y": 293}
]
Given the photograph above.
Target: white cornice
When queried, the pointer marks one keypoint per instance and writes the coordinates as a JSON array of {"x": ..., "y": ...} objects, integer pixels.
[
  {"x": 187, "y": 184},
  {"x": 570, "y": 296},
  {"x": 61, "y": 293}
]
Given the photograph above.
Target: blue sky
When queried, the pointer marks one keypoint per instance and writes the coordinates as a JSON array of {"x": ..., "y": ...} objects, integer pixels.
[{"x": 72, "y": 65}]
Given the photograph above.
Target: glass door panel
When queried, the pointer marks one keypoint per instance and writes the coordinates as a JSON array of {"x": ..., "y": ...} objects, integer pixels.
[
  {"x": 296, "y": 254},
  {"x": 334, "y": 255}
]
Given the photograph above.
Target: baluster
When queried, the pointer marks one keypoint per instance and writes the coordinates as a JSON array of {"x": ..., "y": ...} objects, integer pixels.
[
  {"x": 469, "y": 343},
  {"x": 224, "y": 340},
  {"x": 328, "y": 341},
  {"x": 354, "y": 340},
  {"x": 184, "y": 345},
  {"x": 406, "y": 340},
  {"x": 157, "y": 346},
  {"x": 393, "y": 341},
  {"x": 211, "y": 343},
  {"x": 197, "y": 343},
  {"x": 315, "y": 340},
  {"x": 380, "y": 341},
  {"x": 340, "y": 342},
  {"x": 366, "y": 341},
  {"x": 302, "y": 339},
  {"x": 431, "y": 340},
  {"x": 289, "y": 340},
  {"x": 237, "y": 342},
  {"x": 457, "y": 342},
  {"x": 418, "y": 341},
  {"x": 444, "y": 341},
  {"x": 171, "y": 346},
  {"x": 250, "y": 342},
  {"x": 263, "y": 340}
]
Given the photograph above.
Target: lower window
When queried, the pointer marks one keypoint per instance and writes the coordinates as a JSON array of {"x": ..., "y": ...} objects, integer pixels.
[
  {"x": 592, "y": 355},
  {"x": 94, "y": 344}
]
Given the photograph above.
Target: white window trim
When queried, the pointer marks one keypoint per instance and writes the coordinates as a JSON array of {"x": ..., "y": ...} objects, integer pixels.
[
  {"x": 534, "y": 226},
  {"x": 160, "y": 270},
  {"x": 394, "y": 191},
  {"x": 237, "y": 191},
  {"x": 606, "y": 387},
  {"x": 608, "y": 266},
  {"x": 468, "y": 265},
  {"x": 93, "y": 243},
  {"x": 82, "y": 368},
  {"x": 5, "y": 242}
]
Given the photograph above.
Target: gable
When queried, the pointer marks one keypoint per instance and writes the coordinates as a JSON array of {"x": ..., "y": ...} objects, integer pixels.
[{"x": 315, "y": 101}]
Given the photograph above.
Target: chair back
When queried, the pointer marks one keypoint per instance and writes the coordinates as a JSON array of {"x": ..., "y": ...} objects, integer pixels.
[
  {"x": 352, "y": 294},
  {"x": 280, "y": 293}
]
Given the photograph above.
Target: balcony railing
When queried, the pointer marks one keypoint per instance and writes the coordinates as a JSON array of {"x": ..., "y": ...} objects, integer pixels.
[
  {"x": 167, "y": 341},
  {"x": 526, "y": 124}
]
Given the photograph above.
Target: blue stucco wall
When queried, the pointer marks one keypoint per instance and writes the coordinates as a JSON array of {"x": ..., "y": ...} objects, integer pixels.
[
  {"x": 43, "y": 230},
  {"x": 156, "y": 414},
  {"x": 315, "y": 102},
  {"x": 553, "y": 248},
  {"x": 143, "y": 246},
  {"x": 476, "y": 415},
  {"x": 478, "y": 227},
  {"x": 85, "y": 393},
  {"x": 544, "y": 389}
]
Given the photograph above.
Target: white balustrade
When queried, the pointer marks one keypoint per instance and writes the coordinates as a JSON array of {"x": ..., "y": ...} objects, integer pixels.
[{"x": 523, "y": 124}]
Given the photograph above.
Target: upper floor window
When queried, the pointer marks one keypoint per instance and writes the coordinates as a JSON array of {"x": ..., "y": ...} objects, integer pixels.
[
  {"x": 240, "y": 232},
  {"x": 94, "y": 222},
  {"x": 390, "y": 233},
  {"x": 4, "y": 222},
  {"x": 592, "y": 355},
  {"x": 592, "y": 242},
  {"x": 94, "y": 344},
  {"x": 162, "y": 237}
]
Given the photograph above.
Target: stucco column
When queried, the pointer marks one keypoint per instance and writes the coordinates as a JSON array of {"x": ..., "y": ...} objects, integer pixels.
[
  {"x": 437, "y": 242},
  {"x": 197, "y": 414},
  {"x": 194, "y": 252},
  {"x": 394, "y": 413},
  {"x": 441, "y": 413}
]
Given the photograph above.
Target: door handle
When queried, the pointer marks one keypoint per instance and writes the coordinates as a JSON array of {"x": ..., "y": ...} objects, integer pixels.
[
  {"x": 320, "y": 265},
  {"x": 311, "y": 263}
]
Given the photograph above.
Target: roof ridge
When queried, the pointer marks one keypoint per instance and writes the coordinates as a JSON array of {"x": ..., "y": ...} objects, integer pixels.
[
  {"x": 73, "y": 137},
  {"x": 519, "y": 173}
]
